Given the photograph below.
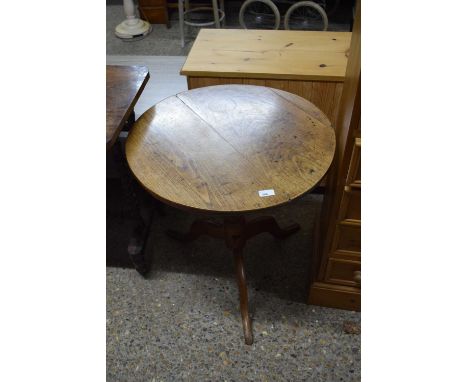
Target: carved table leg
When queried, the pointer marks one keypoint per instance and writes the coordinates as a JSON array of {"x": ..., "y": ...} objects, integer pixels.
[
  {"x": 137, "y": 244},
  {"x": 198, "y": 228},
  {"x": 269, "y": 224},
  {"x": 235, "y": 232},
  {"x": 141, "y": 215},
  {"x": 243, "y": 297}
]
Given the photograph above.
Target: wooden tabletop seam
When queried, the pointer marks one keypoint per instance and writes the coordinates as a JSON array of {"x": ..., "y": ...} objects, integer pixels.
[
  {"x": 219, "y": 134},
  {"x": 295, "y": 105}
]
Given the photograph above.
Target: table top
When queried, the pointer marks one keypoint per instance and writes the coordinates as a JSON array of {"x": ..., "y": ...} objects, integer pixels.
[
  {"x": 273, "y": 54},
  {"x": 124, "y": 85},
  {"x": 220, "y": 148}
]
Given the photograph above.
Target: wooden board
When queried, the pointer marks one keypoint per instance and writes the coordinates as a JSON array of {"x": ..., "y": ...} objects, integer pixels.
[
  {"x": 269, "y": 54},
  {"x": 323, "y": 94},
  {"x": 215, "y": 148},
  {"x": 124, "y": 85},
  {"x": 335, "y": 296}
]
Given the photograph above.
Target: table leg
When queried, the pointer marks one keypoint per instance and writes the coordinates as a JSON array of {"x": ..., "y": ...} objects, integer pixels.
[
  {"x": 137, "y": 244},
  {"x": 270, "y": 225},
  {"x": 142, "y": 216},
  {"x": 198, "y": 228},
  {"x": 236, "y": 231},
  {"x": 243, "y": 296}
]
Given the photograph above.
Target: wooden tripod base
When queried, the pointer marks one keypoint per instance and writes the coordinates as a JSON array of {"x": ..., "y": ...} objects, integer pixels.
[{"x": 236, "y": 231}]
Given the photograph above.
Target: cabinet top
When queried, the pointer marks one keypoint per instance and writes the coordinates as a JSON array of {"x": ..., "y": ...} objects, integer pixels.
[{"x": 272, "y": 54}]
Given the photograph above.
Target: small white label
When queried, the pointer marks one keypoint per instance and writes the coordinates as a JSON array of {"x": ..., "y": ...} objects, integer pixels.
[{"x": 264, "y": 193}]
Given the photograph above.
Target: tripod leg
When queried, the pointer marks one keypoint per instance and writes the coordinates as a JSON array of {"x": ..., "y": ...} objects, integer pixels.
[
  {"x": 198, "y": 228},
  {"x": 243, "y": 296},
  {"x": 269, "y": 224}
]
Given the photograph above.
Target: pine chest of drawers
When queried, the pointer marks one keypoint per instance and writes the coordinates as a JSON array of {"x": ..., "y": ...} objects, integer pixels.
[{"x": 336, "y": 260}]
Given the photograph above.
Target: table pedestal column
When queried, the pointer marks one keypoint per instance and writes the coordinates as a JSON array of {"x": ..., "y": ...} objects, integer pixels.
[{"x": 236, "y": 231}]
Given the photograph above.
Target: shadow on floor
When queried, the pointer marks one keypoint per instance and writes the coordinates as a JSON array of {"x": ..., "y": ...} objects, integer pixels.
[{"x": 280, "y": 267}]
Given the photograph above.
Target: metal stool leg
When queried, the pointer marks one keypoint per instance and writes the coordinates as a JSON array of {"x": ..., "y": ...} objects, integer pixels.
[
  {"x": 216, "y": 13},
  {"x": 221, "y": 6},
  {"x": 188, "y": 28},
  {"x": 181, "y": 22}
]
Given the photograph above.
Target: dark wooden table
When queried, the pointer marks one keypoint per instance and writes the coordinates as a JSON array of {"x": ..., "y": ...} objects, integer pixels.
[
  {"x": 231, "y": 150},
  {"x": 124, "y": 85}
]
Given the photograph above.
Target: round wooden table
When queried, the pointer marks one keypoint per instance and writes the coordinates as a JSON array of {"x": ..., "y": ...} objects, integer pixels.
[{"x": 231, "y": 149}]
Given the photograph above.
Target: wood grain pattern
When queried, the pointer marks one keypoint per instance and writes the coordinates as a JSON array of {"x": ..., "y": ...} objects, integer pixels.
[
  {"x": 347, "y": 238},
  {"x": 350, "y": 209},
  {"x": 324, "y": 94},
  {"x": 124, "y": 85},
  {"x": 338, "y": 235},
  {"x": 354, "y": 172},
  {"x": 342, "y": 272},
  {"x": 335, "y": 296},
  {"x": 271, "y": 54},
  {"x": 154, "y": 11},
  {"x": 215, "y": 148}
]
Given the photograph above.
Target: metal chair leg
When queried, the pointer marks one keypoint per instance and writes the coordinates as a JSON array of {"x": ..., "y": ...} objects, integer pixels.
[{"x": 181, "y": 22}]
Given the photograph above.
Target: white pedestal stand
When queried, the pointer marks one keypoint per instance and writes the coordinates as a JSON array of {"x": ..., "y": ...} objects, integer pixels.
[{"x": 132, "y": 28}]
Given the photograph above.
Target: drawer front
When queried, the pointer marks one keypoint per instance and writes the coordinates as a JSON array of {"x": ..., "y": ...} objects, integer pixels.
[
  {"x": 154, "y": 15},
  {"x": 354, "y": 173},
  {"x": 152, "y": 3},
  {"x": 344, "y": 272},
  {"x": 351, "y": 205},
  {"x": 348, "y": 238}
]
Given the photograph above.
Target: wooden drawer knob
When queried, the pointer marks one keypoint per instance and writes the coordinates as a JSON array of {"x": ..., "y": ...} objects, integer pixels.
[{"x": 357, "y": 277}]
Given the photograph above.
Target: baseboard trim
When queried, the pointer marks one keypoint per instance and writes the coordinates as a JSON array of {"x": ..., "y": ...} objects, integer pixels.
[{"x": 335, "y": 296}]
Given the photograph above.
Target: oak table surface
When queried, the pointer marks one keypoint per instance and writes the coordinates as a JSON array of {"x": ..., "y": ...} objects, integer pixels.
[
  {"x": 124, "y": 85},
  {"x": 214, "y": 148}
]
